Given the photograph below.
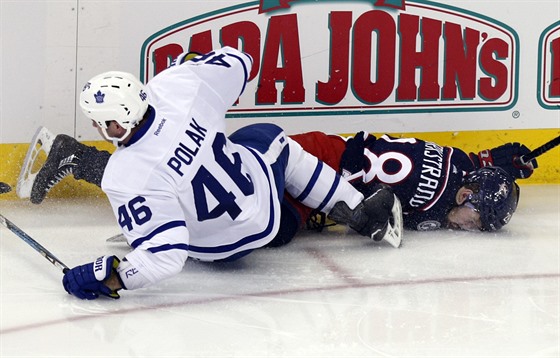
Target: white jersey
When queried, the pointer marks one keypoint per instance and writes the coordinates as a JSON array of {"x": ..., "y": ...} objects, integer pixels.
[{"x": 180, "y": 188}]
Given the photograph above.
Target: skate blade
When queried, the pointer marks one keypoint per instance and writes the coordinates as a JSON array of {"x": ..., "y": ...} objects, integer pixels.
[
  {"x": 41, "y": 142},
  {"x": 394, "y": 232}
]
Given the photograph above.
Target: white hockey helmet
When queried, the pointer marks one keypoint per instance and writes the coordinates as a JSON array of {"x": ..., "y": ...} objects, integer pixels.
[{"x": 114, "y": 96}]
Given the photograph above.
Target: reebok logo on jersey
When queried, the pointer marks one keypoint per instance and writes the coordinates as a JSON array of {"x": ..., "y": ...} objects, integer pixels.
[
  {"x": 160, "y": 126},
  {"x": 131, "y": 272}
]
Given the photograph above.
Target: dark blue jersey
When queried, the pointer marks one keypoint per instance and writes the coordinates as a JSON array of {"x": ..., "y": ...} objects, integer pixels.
[{"x": 425, "y": 176}]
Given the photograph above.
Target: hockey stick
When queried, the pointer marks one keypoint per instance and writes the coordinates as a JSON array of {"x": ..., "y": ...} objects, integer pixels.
[
  {"x": 116, "y": 238},
  {"x": 34, "y": 244},
  {"x": 525, "y": 159}
]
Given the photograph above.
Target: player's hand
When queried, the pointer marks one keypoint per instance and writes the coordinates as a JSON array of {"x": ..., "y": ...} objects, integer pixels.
[
  {"x": 506, "y": 157},
  {"x": 352, "y": 159},
  {"x": 86, "y": 281}
]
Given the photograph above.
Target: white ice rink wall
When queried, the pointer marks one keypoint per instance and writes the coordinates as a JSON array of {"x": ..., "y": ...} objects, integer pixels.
[{"x": 473, "y": 74}]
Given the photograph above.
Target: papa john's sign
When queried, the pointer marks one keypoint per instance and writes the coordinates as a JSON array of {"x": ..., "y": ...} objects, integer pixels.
[
  {"x": 353, "y": 57},
  {"x": 548, "y": 88}
]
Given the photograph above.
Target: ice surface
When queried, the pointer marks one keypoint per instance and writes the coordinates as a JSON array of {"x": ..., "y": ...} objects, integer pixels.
[{"x": 330, "y": 294}]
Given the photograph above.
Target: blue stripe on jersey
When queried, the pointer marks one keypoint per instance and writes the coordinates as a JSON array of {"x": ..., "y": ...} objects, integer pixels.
[
  {"x": 248, "y": 239},
  {"x": 158, "y": 230},
  {"x": 330, "y": 194},
  {"x": 312, "y": 182},
  {"x": 167, "y": 247},
  {"x": 147, "y": 123},
  {"x": 244, "y": 70}
]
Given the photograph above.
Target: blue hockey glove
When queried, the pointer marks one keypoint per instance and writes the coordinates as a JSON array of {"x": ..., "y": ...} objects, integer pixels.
[
  {"x": 86, "y": 281},
  {"x": 505, "y": 157}
]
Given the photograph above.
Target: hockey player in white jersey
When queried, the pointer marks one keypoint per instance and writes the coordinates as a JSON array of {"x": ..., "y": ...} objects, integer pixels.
[{"x": 180, "y": 188}]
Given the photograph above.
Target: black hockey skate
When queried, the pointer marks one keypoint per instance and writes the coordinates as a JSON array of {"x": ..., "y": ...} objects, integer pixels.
[
  {"x": 63, "y": 158},
  {"x": 379, "y": 216}
]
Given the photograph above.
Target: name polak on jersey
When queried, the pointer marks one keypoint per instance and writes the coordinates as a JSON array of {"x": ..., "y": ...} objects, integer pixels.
[
  {"x": 430, "y": 175},
  {"x": 185, "y": 153}
]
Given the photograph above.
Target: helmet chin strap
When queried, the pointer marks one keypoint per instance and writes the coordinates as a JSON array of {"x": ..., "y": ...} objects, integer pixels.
[{"x": 115, "y": 140}]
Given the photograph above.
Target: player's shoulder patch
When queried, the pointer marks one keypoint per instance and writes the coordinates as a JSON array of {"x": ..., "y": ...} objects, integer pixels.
[
  {"x": 184, "y": 57},
  {"x": 428, "y": 225}
]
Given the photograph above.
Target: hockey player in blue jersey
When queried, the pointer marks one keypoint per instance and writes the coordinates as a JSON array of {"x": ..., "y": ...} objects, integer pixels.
[
  {"x": 180, "y": 188},
  {"x": 438, "y": 186}
]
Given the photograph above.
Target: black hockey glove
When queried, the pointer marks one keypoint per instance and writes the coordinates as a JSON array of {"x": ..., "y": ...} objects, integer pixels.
[
  {"x": 352, "y": 160},
  {"x": 505, "y": 157}
]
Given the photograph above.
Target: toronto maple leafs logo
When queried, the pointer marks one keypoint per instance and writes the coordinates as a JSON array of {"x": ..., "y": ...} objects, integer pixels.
[{"x": 99, "y": 97}]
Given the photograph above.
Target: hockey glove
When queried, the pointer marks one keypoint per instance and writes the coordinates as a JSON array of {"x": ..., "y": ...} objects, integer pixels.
[
  {"x": 352, "y": 159},
  {"x": 86, "y": 281},
  {"x": 505, "y": 157}
]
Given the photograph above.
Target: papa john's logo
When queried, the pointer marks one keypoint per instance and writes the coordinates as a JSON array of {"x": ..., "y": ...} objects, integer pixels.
[{"x": 328, "y": 58}]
